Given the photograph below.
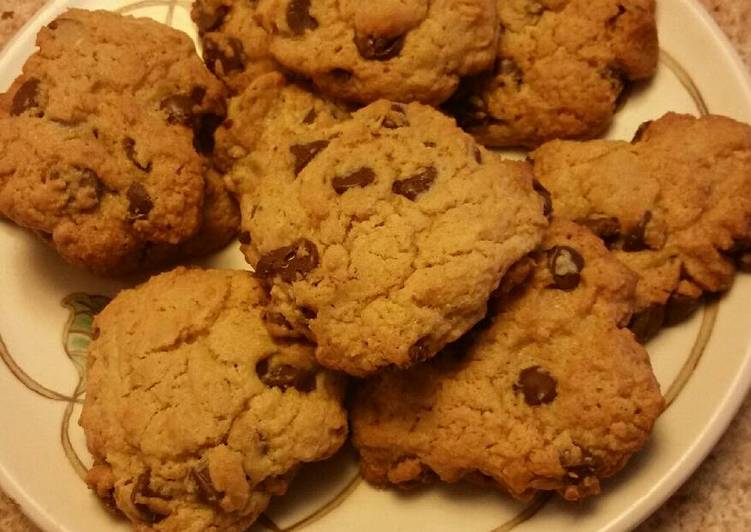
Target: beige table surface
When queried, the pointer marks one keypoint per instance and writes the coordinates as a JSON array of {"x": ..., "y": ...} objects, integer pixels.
[{"x": 718, "y": 495}]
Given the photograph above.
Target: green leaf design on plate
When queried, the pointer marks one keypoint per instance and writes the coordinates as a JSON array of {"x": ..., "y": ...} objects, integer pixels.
[{"x": 79, "y": 329}]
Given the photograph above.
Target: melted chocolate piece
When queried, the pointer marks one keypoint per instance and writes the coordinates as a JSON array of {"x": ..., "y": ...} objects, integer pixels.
[
  {"x": 304, "y": 153},
  {"x": 139, "y": 201},
  {"x": 565, "y": 264},
  {"x": 375, "y": 48},
  {"x": 208, "y": 19},
  {"x": 537, "y": 385},
  {"x": 230, "y": 60},
  {"x": 26, "y": 97},
  {"x": 299, "y": 18},
  {"x": 284, "y": 376},
  {"x": 360, "y": 178},
  {"x": 547, "y": 198},
  {"x": 634, "y": 239},
  {"x": 413, "y": 186},
  {"x": 289, "y": 262}
]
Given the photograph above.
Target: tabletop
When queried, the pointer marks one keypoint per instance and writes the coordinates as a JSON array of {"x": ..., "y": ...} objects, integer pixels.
[{"x": 717, "y": 496}]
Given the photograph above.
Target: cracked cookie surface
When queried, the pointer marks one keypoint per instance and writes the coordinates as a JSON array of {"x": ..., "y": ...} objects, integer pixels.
[
  {"x": 551, "y": 393},
  {"x": 363, "y": 51},
  {"x": 674, "y": 206},
  {"x": 235, "y": 46},
  {"x": 195, "y": 416},
  {"x": 381, "y": 237},
  {"x": 105, "y": 135},
  {"x": 561, "y": 67}
]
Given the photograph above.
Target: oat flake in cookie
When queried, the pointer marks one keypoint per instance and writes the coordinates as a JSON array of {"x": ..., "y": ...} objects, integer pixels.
[
  {"x": 235, "y": 46},
  {"x": 195, "y": 416},
  {"x": 561, "y": 68},
  {"x": 674, "y": 206},
  {"x": 552, "y": 393},
  {"x": 363, "y": 51},
  {"x": 382, "y": 237},
  {"x": 104, "y": 137}
]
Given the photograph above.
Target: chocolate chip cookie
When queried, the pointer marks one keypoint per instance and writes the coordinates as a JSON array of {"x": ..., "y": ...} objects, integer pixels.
[
  {"x": 235, "y": 46},
  {"x": 195, "y": 416},
  {"x": 561, "y": 67},
  {"x": 363, "y": 51},
  {"x": 382, "y": 236},
  {"x": 105, "y": 136},
  {"x": 674, "y": 206},
  {"x": 551, "y": 393}
]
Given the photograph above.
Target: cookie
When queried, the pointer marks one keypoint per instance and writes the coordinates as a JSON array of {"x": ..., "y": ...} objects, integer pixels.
[
  {"x": 194, "y": 415},
  {"x": 674, "y": 206},
  {"x": 381, "y": 237},
  {"x": 271, "y": 107},
  {"x": 235, "y": 46},
  {"x": 105, "y": 136},
  {"x": 363, "y": 51},
  {"x": 550, "y": 394},
  {"x": 562, "y": 66}
]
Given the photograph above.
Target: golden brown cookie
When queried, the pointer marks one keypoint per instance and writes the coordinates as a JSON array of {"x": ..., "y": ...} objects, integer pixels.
[
  {"x": 561, "y": 68},
  {"x": 105, "y": 135},
  {"x": 550, "y": 393},
  {"x": 195, "y": 416},
  {"x": 674, "y": 206},
  {"x": 382, "y": 236},
  {"x": 402, "y": 51}
]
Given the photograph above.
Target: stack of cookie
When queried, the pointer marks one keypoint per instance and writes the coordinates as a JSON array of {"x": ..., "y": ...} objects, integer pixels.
[{"x": 488, "y": 312}]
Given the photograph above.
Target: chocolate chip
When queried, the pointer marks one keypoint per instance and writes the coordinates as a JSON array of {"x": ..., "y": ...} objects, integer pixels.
[
  {"x": 396, "y": 118},
  {"x": 647, "y": 323},
  {"x": 129, "y": 145},
  {"x": 232, "y": 59},
  {"x": 565, "y": 264},
  {"x": 679, "y": 307},
  {"x": 9, "y": 14},
  {"x": 310, "y": 117},
  {"x": 608, "y": 228},
  {"x": 208, "y": 19},
  {"x": 141, "y": 489},
  {"x": 206, "y": 490},
  {"x": 362, "y": 177},
  {"x": 308, "y": 313},
  {"x": 547, "y": 198},
  {"x": 139, "y": 201},
  {"x": 244, "y": 237},
  {"x": 537, "y": 385},
  {"x": 284, "y": 376},
  {"x": 179, "y": 109},
  {"x": 204, "y": 127},
  {"x": 413, "y": 186},
  {"x": 26, "y": 97},
  {"x": 373, "y": 47},
  {"x": 304, "y": 153},
  {"x": 289, "y": 262},
  {"x": 421, "y": 350},
  {"x": 640, "y": 131},
  {"x": 299, "y": 18},
  {"x": 634, "y": 239},
  {"x": 478, "y": 155}
]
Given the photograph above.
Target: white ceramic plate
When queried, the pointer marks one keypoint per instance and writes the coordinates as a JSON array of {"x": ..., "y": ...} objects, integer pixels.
[{"x": 704, "y": 366}]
